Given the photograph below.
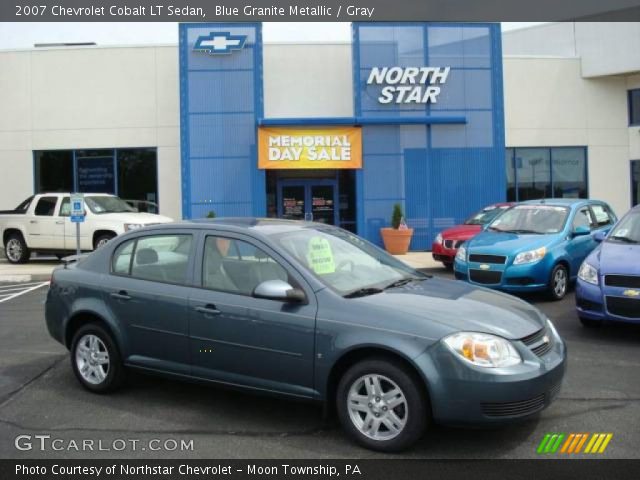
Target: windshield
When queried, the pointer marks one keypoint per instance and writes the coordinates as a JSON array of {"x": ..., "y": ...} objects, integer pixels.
[
  {"x": 485, "y": 215},
  {"x": 627, "y": 230},
  {"x": 345, "y": 262},
  {"x": 107, "y": 204},
  {"x": 535, "y": 219}
]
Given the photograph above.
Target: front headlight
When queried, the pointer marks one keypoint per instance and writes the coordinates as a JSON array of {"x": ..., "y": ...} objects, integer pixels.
[
  {"x": 588, "y": 273},
  {"x": 132, "y": 226},
  {"x": 461, "y": 254},
  {"x": 483, "y": 349},
  {"x": 530, "y": 257},
  {"x": 438, "y": 238}
]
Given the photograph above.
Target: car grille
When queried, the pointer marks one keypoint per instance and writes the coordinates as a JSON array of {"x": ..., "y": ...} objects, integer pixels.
[
  {"x": 536, "y": 342},
  {"x": 624, "y": 307},
  {"x": 589, "y": 305},
  {"x": 453, "y": 243},
  {"x": 476, "y": 257},
  {"x": 522, "y": 407},
  {"x": 484, "y": 277},
  {"x": 625, "y": 281}
]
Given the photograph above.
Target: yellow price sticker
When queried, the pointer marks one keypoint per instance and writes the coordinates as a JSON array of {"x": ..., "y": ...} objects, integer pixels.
[{"x": 320, "y": 256}]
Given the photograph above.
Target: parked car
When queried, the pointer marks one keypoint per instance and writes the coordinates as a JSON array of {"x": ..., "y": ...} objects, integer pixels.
[
  {"x": 608, "y": 286},
  {"x": 535, "y": 245},
  {"x": 143, "y": 206},
  {"x": 446, "y": 244},
  {"x": 306, "y": 311},
  {"x": 42, "y": 224}
]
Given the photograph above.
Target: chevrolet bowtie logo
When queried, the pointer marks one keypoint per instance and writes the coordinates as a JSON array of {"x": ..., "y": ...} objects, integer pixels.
[
  {"x": 484, "y": 266},
  {"x": 219, "y": 43},
  {"x": 631, "y": 293}
]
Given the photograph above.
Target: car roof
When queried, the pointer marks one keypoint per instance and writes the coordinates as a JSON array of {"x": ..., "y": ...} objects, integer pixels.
[{"x": 559, "y": 202}]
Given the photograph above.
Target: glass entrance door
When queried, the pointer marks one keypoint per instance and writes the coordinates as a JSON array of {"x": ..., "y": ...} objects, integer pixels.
[{"x": 313, "y": 200}]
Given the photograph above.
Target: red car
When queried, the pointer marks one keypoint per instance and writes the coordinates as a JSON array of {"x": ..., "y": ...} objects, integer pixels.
[{"x": 446, "y": 244}]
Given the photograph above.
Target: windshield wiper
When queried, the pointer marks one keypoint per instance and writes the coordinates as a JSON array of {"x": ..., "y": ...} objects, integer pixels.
[
  {"x": 522, "y": 231},
  {"x": 403, "y": 281},
  {"x": 495, "y": 229},
  {"x": 363, "y": 292},
  {"x": 622, "y": 238}
]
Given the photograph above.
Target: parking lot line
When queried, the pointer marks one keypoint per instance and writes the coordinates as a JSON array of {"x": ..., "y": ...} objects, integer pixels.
[
  {"x": 23, "y": 291},
  {"x": 18, "y": 286}
]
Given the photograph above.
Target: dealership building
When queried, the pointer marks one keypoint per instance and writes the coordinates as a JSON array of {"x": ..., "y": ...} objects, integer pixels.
[{"x": 441, "y": 118}]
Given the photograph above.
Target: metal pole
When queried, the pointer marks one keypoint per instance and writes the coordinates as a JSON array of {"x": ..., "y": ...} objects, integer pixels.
[{"x": 77, "y": 238}]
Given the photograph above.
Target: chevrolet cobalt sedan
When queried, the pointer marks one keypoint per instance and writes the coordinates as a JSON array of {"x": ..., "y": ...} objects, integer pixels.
[{"x": 305, "y": 311}]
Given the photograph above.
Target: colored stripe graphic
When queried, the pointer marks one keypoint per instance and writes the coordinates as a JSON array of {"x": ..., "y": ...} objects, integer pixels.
[{"x": 572, "y": 443}]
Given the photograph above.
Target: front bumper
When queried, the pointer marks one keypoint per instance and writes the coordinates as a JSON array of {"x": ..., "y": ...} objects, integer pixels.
[
  {"x": 465, "y": 394},
  {"x": 530, "y": 277},
  {"x": 443, "y": 254},
  {"x": 591, "y": 302}
]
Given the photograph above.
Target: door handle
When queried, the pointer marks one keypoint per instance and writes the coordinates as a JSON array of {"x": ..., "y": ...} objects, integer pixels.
[
  {"x": 60, "y": 222},
  {"x": 33, "y": 221},
  {"x": 121, "y": 295},
  {"x": 208, "y": 310}
]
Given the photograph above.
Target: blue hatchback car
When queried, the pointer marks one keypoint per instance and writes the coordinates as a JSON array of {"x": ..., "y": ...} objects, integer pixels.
[
  {"x": 534, "y": 246},
  {"x": 608, "y": 286}
]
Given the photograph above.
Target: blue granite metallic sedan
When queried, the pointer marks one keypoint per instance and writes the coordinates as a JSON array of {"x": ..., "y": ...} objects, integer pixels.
[
  {"x": 305, "y": 311},
  {"x": 608, "y": 287}
]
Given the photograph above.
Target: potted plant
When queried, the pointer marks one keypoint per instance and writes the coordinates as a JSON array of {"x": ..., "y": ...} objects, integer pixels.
[{"x": 397, "y": 238}]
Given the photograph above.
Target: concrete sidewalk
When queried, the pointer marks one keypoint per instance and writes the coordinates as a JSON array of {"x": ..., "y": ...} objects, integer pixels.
[{"x": 40, "y": 268}]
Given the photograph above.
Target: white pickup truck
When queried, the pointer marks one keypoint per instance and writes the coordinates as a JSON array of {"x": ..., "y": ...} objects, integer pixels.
[{"x": 42, "y": 224}]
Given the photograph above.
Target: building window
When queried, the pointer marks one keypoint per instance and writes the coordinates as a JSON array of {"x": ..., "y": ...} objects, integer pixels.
[
  {"x": 635, "y": 182},
  {"x": 546, "y": 172},
  {"x": 130, "y": 173},
  {"x": 634, "y": 107}
]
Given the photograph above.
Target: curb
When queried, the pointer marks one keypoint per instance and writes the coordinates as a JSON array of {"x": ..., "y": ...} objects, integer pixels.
[{"x": 25, "y": 278}]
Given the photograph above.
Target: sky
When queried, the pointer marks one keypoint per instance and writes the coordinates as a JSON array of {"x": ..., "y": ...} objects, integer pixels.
[{"x": 25, "y": 35}]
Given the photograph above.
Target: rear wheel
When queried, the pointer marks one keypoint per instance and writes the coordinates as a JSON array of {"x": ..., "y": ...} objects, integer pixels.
[
  {"x": 102, "y": 239},
  {"x": 448, "y": 266},
  {"x": 382, "y": 405},
  {"x": 95, "y": 359},
  {"x": 16, "y": 250},
  {"x": 558, "y": 282}
]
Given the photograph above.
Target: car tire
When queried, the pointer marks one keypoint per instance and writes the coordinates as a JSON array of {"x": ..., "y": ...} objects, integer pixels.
[
  {"x": 102, "y": 239},
  {"x": 95, "y": 359},
  {"x": 16, "y": 250},
  {"x": 558, "y": 282},
  {"x": 590, "y": 323},
  {"x": 448, "y": 266},
  {"x": 385, "y": 422}
]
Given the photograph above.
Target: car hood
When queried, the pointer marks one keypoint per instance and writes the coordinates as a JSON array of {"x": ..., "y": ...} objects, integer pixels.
[
  {"x": 456, "y": 306},
  {"x": 508, "y": 243},
  {"x": 618, "y": 258},
  {"x": 461, "y": 232},
  {"x": 133, "y": 217}
]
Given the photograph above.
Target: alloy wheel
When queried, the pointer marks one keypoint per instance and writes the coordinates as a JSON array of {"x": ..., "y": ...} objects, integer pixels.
[
  {"x": 377, "y": 407},
  {"x": 92, "y": 359},
  {"x": 14, "y": 250},
  {"x": 560, "y": 282}
]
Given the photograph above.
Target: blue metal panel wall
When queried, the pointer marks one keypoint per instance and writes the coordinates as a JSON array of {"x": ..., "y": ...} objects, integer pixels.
[
  {"x": 440, "y": 173},
  {"x": 220, "y": 102}
]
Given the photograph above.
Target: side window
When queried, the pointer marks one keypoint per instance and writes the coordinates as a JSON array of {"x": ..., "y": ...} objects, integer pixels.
[
  {"x": 65, "y": 207},
  {"x": 583, "y": 219},
  {"x": 161, "y": 258},
  {"x": 24, "y": 206},
  {"x": 121, "y": 262},
  {"x": 603, "y": 216},
  {"x": 236, "y": 266},
  {"x": 46, "y": 206}
]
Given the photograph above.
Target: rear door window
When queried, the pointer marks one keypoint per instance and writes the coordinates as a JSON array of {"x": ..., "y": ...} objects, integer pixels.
[
  {"x": 603, "y": 215},
  {"x": 46, "y": 206}
]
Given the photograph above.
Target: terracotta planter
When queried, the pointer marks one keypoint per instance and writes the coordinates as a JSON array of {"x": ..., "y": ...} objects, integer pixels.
[{"x": 396, "y": 242}]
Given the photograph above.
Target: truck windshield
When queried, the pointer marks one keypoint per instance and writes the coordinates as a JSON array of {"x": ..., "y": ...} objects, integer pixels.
[{"x": 107, "y": 204}]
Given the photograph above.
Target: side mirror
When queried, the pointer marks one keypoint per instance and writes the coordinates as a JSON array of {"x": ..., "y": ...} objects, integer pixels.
[
  {"x": 279, "y": 290},
  {"x": 581, "y": 231},
  {"x": 600, "y": 236}
]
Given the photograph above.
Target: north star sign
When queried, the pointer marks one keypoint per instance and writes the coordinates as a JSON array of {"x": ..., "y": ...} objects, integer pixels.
[{"x": 408, "y": 84}]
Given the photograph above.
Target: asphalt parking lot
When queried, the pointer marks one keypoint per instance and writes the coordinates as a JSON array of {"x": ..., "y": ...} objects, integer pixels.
[{"x": 39, "y": 395}]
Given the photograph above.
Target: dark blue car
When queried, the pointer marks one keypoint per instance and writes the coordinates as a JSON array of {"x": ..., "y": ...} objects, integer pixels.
[
  {"x": 305, "y": 311},
  {"x": 535, "y": 245},
  {"x": 608, "y": 287}
]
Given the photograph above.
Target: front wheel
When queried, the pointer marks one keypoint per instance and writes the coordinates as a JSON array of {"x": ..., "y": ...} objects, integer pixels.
[
  {"x": 16, "y": 249},
  {"x": 382, "y": 405},
  {"x": 590, "y": 323},
  {"x": 558, "y": 282},
  {"x": 96, "y": 360}
]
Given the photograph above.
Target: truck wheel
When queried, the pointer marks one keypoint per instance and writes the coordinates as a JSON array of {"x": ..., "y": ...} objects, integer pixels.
[
  {"x": 382, "y": 405},
  {"x": 16, "y": 249},
  {"x": 102, "y": 239},
  {"x": 95, "y": 359}
]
